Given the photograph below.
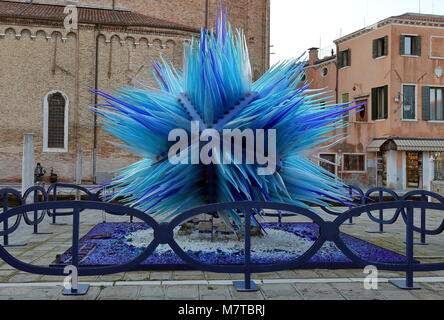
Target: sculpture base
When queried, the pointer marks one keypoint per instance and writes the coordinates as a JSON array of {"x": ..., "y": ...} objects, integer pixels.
[
  {"x": 81, "y": 290},
  {"x": 240, "y": 286}
]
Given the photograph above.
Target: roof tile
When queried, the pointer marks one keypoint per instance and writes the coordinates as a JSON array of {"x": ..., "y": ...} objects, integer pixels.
[{"x": 86, "y": 15}]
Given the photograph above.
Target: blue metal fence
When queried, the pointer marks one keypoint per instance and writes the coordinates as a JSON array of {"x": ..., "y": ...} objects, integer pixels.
[{"x": 163, "y": 232}]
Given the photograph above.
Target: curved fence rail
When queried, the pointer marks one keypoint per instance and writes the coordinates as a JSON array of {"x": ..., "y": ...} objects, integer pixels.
[{"x": 164, "y": 232}]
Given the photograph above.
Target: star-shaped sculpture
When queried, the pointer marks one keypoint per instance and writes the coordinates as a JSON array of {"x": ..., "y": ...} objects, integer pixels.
[{"x": 215, "y": 89}]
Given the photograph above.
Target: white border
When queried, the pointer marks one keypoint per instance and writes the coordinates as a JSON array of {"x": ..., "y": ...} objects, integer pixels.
[
  {"x": 389, "y": 91},
  {"x": 411, "y": 55},
  {"x": 434, "y": 86},
  {"x": 354, "y": 154},
  {"x": 431, "y": 48},
  {"x": 45, "y": 123},
  {"x": 322, "y": 69},
  {"x": 416, "y": 102},
  {"x": 388, "y": 49},
  {"x": 336, "y": 160}
]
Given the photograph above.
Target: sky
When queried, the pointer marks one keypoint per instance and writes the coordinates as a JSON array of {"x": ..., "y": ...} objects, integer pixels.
[{"x": 297, "y": 25}]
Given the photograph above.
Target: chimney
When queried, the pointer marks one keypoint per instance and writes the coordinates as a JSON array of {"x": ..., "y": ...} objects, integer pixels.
[{"x": 313, "y": 55}]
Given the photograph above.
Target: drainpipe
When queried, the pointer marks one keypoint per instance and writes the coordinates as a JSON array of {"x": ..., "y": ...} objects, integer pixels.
[
  {"x": 337, "y": 75},
  {"x": 96, "y": 87}
]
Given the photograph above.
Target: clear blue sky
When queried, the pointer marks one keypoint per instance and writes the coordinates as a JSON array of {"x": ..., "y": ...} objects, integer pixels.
[{"x": 297, "y": 25}]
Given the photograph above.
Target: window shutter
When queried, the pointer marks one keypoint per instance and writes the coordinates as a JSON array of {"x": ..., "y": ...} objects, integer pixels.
[
  {"x": 402, "y": 45},
  {"x": 386, "y": 100},
  {"x": 375, "y": 48},
  {"x": 386, "y": 46},
  {"x": 417, "y": 45},
  {"x": 374, "y": 103},
  {"x": 339, "y": 60},
  {"x": 349, "y": 60},
  {"x": 426, "y": 103}
]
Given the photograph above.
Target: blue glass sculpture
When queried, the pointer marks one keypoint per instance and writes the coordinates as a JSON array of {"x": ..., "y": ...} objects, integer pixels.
[{"x": 215, "y": 88}]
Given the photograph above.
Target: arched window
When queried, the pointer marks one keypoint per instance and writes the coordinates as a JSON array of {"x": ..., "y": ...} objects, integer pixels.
[{"x": 55, "y": 124}]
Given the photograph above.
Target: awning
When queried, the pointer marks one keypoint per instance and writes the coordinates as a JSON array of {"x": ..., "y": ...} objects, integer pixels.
[
  {"x": 409, "y": 144},
  {"x": 425, "y": 145},
  {"x": 375, "y": 146}
]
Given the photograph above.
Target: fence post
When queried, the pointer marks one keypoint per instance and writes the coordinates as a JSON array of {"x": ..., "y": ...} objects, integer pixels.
[
  {"x": 35, "y": 226},
  {"x": 54, "y": 212},
  {"x": 76, "y": 289},
  {"x": 408, "y": 283},
  {"x": 423, "y": 223},
  {"x": 247, "y": 285},
  {"x": 381, "y": 214},
  {"x": 350, "y": 221},
  {"x": 6, "y": 225}
]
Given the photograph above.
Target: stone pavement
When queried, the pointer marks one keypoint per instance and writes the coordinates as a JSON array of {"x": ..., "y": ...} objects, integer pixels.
[
  {"x": 268, "y": 291},
  {"x": 290, "y": 284}
]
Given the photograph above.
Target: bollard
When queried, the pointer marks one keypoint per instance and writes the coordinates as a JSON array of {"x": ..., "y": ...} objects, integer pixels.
[{"x": 247, "y": 285}]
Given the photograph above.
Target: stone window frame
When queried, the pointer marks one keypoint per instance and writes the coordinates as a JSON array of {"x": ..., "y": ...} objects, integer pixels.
[
  {"x": 324, "y": 72},
  {"x": 431, "y": 48},
  {"x": 416, "y": 101},
  {"x": 337, "y": 169},
  {"x": 45, "y": 123},
  {"x": 353, "y": 171}
]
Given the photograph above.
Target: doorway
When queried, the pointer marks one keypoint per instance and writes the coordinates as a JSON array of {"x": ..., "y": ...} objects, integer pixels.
[
  {"x": 381, "y": 169},
  {"x": 414, "y": 169}
]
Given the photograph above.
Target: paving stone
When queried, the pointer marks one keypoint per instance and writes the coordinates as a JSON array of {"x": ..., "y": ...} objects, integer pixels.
[
  {"x": 426, "y": 294},
  {"x": 44, "y": 293},
  {"x": 160, "y": 275},
  {"x": 280, "y": 292},
  {"x": 214, "y": 292},
  {"x": 269, "y": 275},
  {"x": 112, "y": 277},
  {"x": 152, "y": 293},
  {"x": 245, "y": 295},
  {"x": 355, "y": 291},
  {"x": 306, "y": 274},
  {"x": 188, "y": 275},
  {"x": 119, "y": 293},
  {"x": 438, "y": 287},
  {"x": 390, "y": 292},
  {"x": 184, "y": 292},
  {"x": 7, "y": 273},
  {"x": 24, "y": 278},
  {"x": 92, "y": 294},
  {"x": 237, "y": 276},
  {"x": 316, "y": 291},
  {"x": 328, "y": 274},
  {"x": 286, "y": 274},
  {"x": 52, "y": 279},
  {"x": 216, "y": 276},
  {"x": 10, "y": 293},
  {"x": 137, "y": 276}
]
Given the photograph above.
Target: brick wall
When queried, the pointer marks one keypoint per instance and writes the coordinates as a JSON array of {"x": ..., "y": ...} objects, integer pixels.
[
  {"x": 251, "y": 15},
  {"x": 37, "y": 59}
]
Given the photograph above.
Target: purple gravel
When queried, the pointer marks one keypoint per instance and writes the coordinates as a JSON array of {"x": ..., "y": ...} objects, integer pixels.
[{"x": 116, "y": 250}]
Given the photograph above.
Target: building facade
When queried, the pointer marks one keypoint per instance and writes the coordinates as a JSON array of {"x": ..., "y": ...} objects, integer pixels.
[
  {"x": 394, "y": 69},
  {"x": 48, "y": 71}
]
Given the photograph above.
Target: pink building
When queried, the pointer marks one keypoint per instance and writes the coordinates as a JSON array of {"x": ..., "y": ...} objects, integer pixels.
[{"x": 395, "y": 68}]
